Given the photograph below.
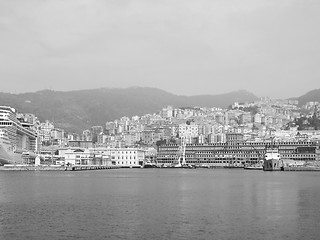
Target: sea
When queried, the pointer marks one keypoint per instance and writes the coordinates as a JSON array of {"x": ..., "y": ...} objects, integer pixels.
[{"x": 159, "y": 204}]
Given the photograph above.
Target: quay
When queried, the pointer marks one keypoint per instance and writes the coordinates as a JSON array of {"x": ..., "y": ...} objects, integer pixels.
[
  {"x": 88, "y": 167},
  {"x": 24, "y": 167},
  {"x": 299, "y": 168}
]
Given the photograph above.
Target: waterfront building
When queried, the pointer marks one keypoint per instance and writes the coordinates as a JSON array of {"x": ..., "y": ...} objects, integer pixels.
[
  {"x": 51, "y": 154},
  {"x": 102, "y": 156},
  {"x": 81, "y": 156},
  {"x": 78, "y": 157},
  {"x": 127, "y": 157},
  {"x": 223, "y": 154}
]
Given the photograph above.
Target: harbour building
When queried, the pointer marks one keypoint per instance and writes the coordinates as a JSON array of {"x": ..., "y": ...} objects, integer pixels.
[
  {"x": 237, "y": 153},
  {"x": 119, "y": 157}
]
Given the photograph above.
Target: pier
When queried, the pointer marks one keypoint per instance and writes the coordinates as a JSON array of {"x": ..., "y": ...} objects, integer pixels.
[
  {"x": 313, "y": 169},
  {"x": 88, "y": 167},
  {"x": 24, "y": 167}
]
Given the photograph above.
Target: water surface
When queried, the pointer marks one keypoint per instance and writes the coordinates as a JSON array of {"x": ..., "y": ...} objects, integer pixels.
[{"x": 160, "y": 204}]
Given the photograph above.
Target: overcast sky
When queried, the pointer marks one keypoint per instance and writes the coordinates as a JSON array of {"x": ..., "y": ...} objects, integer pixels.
[{"x": 186, "y": 47}]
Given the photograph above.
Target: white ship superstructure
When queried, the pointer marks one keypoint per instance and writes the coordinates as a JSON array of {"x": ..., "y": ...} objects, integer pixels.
[
  {"x": 15, "y": 136},
  {"x": 272, "y": 161}
]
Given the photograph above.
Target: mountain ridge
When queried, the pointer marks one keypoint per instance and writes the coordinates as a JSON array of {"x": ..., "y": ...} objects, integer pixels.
[
  {"x": 311, "y": 96},
  {"x": 80, "y": 109}
]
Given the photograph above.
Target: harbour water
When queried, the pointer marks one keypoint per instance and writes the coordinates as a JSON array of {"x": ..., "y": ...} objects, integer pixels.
[{"x": 159, "y": 204}]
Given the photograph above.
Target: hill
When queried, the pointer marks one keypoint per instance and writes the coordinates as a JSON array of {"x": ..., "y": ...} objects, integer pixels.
[
  {"x": 311, "y": 96},
  {"x": 79, "y": 110}
]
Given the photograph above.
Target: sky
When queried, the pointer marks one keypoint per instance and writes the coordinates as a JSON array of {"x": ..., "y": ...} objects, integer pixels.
[{"x": 186, "y": 47}]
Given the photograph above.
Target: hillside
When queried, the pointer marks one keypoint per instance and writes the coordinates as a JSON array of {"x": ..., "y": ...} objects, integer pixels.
[
  {"x": 311, "y": 96},
  {"x": 79, "y": 110}
]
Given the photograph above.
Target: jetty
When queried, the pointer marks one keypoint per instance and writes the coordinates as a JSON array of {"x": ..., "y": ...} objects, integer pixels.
[
  {"x": 301, "y": 168},
  {"x": 89, "y": 167},
  {"x": 24, "y": 167}
]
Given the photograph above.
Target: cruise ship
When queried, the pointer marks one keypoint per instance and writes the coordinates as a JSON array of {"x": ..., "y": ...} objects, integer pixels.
[{"x": 16, "y": 137}]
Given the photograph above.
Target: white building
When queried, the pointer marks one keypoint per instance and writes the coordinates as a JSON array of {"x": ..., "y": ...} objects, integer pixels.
[
  {"x": 217, "y": 138},
  {"x": 127, "y": 157},
  {"x": 78, "y": 157},
  {"x": 85, "y": 157},
  {"x": 167, "y": 112},
  {"x": 188, "y": 130},
  {"x": 45, "y": 131},
  {"x": 257, "y": 118}
]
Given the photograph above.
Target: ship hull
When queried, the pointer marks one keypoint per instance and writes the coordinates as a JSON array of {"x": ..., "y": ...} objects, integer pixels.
[
  {"x": 7, "y": 157},
  {"x": 253, "y": 168},
  {"x": 149, "y": 166},
  {"x": 272, "y": 165}
]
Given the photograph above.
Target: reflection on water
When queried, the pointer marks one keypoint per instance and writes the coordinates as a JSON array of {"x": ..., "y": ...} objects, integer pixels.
[{"x": 159, "y": 204}]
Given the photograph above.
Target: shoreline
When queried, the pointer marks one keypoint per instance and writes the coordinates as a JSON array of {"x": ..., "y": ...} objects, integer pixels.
[{"x": 54, "y": 168}]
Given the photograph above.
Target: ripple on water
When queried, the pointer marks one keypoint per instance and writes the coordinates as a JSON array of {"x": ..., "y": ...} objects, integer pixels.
[{"x": 159, "y": 204}]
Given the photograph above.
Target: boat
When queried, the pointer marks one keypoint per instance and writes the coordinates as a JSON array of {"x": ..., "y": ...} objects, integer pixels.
[
  {"x": 16, "y": 138},
  {"x": 149, "y": 164},
  {"x": 176, "y": 163},
  {"x": 7, "y": 150},
  {"x": 256, "y": 166},
  {"x": 179, "y": 165},
  {"x": 292, "y": 165},
  {"x": 272, "y": 161}
]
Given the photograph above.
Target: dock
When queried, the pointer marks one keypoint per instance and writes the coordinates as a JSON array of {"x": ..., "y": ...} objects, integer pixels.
[
  {"x": 23, "y": 167},
  {"x": 88, "y": 167},
  {"x": 301, "y": 168}
]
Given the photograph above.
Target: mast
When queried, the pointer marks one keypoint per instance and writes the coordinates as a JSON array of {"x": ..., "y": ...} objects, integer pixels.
[
  {"x": 183, "y": 145},
  {"x": 181, "y": 154}
]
